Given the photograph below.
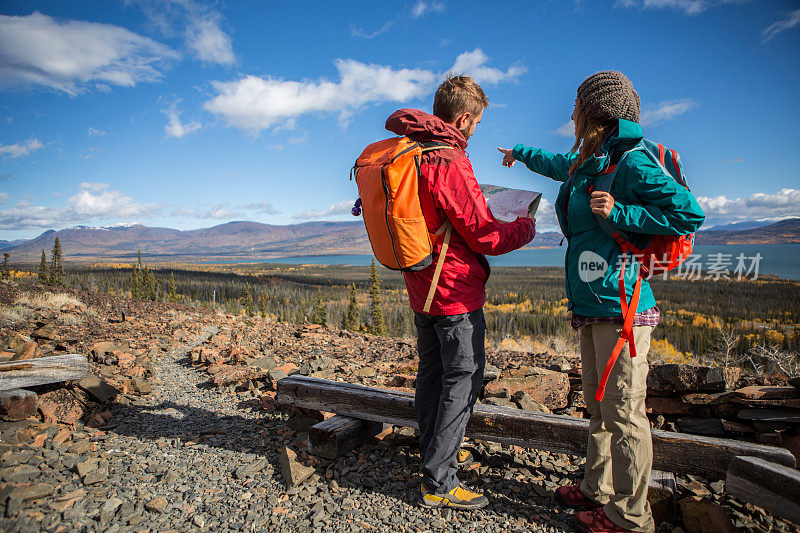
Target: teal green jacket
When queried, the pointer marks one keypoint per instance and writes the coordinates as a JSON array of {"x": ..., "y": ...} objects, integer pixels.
[{"x": 646, "y": 200}]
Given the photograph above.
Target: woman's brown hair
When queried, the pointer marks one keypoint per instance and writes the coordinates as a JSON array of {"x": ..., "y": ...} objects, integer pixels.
[{"x": 589, "y": 137}]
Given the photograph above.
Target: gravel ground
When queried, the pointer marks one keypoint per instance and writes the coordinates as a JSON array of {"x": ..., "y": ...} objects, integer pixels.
[
  {"x": 194, "y": 457},
  {"x": 189, "y": 457}
]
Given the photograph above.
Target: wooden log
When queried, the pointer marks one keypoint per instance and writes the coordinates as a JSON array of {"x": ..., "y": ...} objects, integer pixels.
[
  {"x": 673, "y": 452},
  {"x": 43, "y": 370},
  {"x": 339, "y": 434},
  {"x": 661, "y": 495},
  {"x": 18, "y": 404},
  {"x": 785, "y": 416},
  {"x": 663, "y": 480},
  {"x": 768, "y": 485}
]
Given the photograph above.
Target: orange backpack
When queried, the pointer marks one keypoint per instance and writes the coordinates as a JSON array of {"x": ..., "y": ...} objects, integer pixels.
[{"x": 387, "y": 174}]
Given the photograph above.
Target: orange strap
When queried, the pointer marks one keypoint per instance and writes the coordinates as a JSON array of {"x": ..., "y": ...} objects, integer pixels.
[
  {"x": 628, "y": 313},
  {"x": 448, "y": 226}
]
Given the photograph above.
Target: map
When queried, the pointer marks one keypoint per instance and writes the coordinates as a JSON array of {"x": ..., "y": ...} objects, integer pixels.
[{"x": 508, "y": 204}]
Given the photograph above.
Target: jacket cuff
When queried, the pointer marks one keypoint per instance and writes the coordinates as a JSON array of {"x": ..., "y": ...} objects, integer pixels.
[{"x": 517, "y": 150}]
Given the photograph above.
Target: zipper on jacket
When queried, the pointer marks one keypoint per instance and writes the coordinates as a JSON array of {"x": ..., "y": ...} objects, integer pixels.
[
  {"x": 415, "y": 145},
  {"x": 566, "y": 276},
  {"x": 419, "y": 179},
  {"x": 388, "y": 227},
  {"x": 593, "y": 293}
]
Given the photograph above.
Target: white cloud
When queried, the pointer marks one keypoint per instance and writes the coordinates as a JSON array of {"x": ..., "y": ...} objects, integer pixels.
[
  {"x": 92, "y": 201},
  {"x": 688, "y": 7},
  {"x": 360, "y": 32},
  {"x": 567, "y": 129},
  {"x": 253, "y": 103},
  {"x": 93, "y": 187},
  {"x": 474, "y": 64},
  {"x": 546, "y": 219},
  {"x": 421, "y": 7},
  {"x": 24, "y": 216},
  {"x": 792, "y": 20},
  {"x": 73, "y": 56},
  {"x": 97, "y": 200},
  {"x": 261, "y": 207},
  {"x": 174, "y": 127},
  {"x": 341, "y": 208},
  {"x": 20, "y": 149},
  {"x": 95, "y": 132},
  {"x": 782, "y": 204},
  {"x": 197, "y": 23},
  {"x": 209, "y": 42},
  {"x": 221, "y": 212},
  {"x": 291, "y": 141},
  {"x": 652, "y": 115},
  {"x": 417, "y": 11},
  {"x": 183, "y": 212},
  {"x": 3, "y": 197}
]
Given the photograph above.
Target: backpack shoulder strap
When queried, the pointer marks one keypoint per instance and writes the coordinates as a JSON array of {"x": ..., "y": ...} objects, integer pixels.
[
  {"x": 603, "y": 183},
  {"x": 431, "y": 146},
  {"x": 447, "y": 228}
]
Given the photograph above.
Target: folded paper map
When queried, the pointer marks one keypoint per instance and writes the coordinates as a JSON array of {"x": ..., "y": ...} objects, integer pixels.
[{"x": 508, "y": 204}]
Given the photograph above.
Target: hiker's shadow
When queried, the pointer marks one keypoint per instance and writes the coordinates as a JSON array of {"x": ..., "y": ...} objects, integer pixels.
[
  {"x": 195, "y": 426},
  {"x": 524, "y": 501},
  {"x": 388, "y": 467}
]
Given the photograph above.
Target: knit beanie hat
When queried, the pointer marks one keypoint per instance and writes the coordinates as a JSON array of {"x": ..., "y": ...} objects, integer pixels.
[{"x": 608, "y": 95}]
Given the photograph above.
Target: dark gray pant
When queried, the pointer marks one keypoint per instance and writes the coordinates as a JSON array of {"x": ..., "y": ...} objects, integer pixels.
[{"x": 452, "y": 356}]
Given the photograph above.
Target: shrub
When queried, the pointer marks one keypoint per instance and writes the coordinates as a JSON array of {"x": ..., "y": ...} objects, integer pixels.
[
  {"x": 50, "y": 300},
  {"x": 11, "y": 315},
  {"x": 662, "y": 352}
]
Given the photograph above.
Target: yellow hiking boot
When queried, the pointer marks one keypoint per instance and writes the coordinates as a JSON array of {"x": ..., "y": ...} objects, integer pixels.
[
  {"x": 458, "y": 498},
  {"x": 464, "y": 457}
]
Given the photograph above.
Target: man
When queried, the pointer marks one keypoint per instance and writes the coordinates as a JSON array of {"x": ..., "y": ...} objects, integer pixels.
[{"x": 451, "y": 335}]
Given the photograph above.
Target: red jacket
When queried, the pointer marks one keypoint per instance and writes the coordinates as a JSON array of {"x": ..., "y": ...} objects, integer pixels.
[{"x": 448, "y": 190}]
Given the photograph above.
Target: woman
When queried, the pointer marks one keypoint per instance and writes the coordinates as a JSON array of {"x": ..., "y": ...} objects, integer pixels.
[{"x": 643, "y": 199}]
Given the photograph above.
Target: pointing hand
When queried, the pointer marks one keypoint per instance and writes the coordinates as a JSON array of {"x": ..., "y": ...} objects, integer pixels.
[{"x": 508, "y": 157}]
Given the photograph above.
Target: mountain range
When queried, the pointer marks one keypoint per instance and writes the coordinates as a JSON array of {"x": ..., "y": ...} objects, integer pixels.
[
  {"x": 782, "y": 232},
  {"x": 231, "y": 241},
  {"x": 253, "y": 241}
]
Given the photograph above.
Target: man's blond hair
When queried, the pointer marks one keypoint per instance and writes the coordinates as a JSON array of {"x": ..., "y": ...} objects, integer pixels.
[{"x": 457, "y": 95}]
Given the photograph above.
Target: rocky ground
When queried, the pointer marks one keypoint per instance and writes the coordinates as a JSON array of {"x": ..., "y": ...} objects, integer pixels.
[{"x": 180, "y": 432}]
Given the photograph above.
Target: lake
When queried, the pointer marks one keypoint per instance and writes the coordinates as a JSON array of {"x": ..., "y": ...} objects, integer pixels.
[{"x": 779, "y": 259}]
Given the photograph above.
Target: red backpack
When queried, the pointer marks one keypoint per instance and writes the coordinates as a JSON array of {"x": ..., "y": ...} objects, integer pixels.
[{"x": 656, "y": 254}]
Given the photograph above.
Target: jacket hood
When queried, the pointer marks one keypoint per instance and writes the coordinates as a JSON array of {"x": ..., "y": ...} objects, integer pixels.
[
  {"x": 624, "y": 136},
  {"x": 422, "y": 127}
]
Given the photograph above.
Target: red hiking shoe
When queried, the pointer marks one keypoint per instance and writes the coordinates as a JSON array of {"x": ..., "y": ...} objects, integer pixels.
[
  {"x": 572, "y": 496},
  {"x": 596, "y": 521}
]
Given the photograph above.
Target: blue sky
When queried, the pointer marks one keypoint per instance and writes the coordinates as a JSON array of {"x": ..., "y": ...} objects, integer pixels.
[{"x": 187, "y": 114}]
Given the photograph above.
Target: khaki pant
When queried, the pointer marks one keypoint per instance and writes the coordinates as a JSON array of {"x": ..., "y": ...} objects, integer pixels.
[{"x": 620, "y": 451}]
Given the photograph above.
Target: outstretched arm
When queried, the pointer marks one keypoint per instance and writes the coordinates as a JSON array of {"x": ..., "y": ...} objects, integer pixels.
[{"x": 554, "y": 166}]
